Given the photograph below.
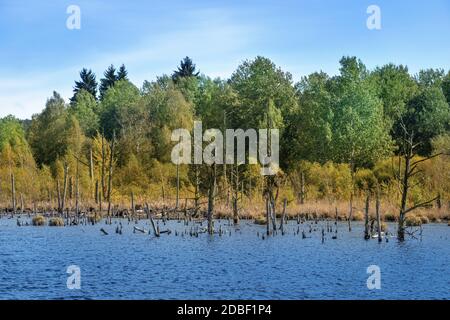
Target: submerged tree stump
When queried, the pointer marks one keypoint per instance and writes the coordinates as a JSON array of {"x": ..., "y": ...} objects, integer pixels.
[
  {"x": 155, "y": 230},
  {"x": 366, "y": 220}
]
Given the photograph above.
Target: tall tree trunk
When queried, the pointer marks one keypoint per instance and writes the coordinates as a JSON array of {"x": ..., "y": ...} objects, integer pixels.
[
  {"x": 366, "y": 219},
  {"x": 77, "y": 192},
  {"x": 91, "y": 172},
  {"x": 70, "y": 191},
  {"x": 102, "y": 193},
  {"x": 13, "y": 193},
  {"x": 49, "y": 196},
  {"x": 63, "y": 201},
  {"x": 96, "y": 192},
  {"x": 225, "y": 181},
  {"x": 211, "y": 196},
  {"x": 411, "y": 168},
  {"x": 350, "y": 213},
  {"x": 283, "y": 217},
  {"x": 273, "y": 213},
  {"x": 196, "y": 189},
  {"x": 149, "y": 215},
  {"x": 22, "y": 204},
  {"x": 133, "y": 207},
  {"x": 405, "y": 190},
  {"x": 235, "y": 197},
  {"x": 377, "y": 208},
  {"x": 352, "y": 191},
  {"x": 110, "y": 176},
  {"x": 302, "y": 188},
  {"x": 58, "y": 190}
]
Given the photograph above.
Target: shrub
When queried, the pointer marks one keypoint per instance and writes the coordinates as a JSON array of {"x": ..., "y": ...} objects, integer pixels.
[
  {"x": 38, "y": 221},
  {"x": 260, "y": 220},
  {"x": 56, "y": 222},
  {"x": 413, "y": 221},
  {"x": 424, "y": 219},
  {"x": 390, "y": 217},
  {"x": 383, "y": 171},
  {"x": 329, "y": 180},
  {"x": 365, "y": 179},
  {"x": 434, "y": 215},
  {"x": 94, "y": 218},
  {"x": 358, "y": 216}
]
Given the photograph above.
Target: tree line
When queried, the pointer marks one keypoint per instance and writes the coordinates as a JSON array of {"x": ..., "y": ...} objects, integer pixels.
[{"x": 359, "y": 120}]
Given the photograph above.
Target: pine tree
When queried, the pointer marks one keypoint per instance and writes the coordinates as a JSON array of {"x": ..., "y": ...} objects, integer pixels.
[
  {"x": 88, "y": 83},
  {"x": 122, "y": 74},
  {"x": 186, "y": 69},
  {"x": 108, "y": 81}
]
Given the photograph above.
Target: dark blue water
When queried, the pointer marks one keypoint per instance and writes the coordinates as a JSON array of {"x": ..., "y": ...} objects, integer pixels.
[{"x": 34, "y": 261}]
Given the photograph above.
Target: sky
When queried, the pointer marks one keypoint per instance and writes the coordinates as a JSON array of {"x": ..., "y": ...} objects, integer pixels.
[{"x": 39, "y": 54}]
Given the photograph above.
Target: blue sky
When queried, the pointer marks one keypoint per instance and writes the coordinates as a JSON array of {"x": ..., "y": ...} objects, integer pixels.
[{"x": 38, "y": 54}]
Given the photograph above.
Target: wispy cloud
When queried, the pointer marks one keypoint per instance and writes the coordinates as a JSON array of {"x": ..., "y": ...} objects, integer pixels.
[
  {"x": 39, "y": 55},
  {"x": 207, "y": 36}
]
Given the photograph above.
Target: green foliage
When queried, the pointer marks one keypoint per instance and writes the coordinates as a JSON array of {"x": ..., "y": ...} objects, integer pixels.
[
  {"x": 265, "y": 92},
  {"x": 438, "y": 169},
  {"x": 446, "y": 87},
  {"x": 117, "y": 105},
  {"x": 329, "y": 180},
  {"x": 84, "y": 109},
  {"x": 338, "y": 132},
  {"x": 384, "y": 171},
  {"x": 185, "y": 70},
  {"x": 12, "y": 135},
  {"x": 15, "y": 158},
  {"x": 394, "y": 87},
  {"x": 216, "y": 103},
  {"x": 108, "y": 80},
  {"x": 122, "y": 74},
  {"x": 427, "y": 116},
  {"x": 430, "y": 77},
  {"x": 132, "y": 177},
  {"x": 313, "y": 134},
  {"x": 352, "y": 69},
  {"x": 64, "y": 136},
  {"x": 365, "y": 179},
  {"x": 167, "y": 110},
  {"x": 360, "y": 136},
  {"x": 46, "y": 131},
  {"x": 441, "y": 144},
  {"x": 87, "y": 83},
  {"x": 267, "y": 99}
]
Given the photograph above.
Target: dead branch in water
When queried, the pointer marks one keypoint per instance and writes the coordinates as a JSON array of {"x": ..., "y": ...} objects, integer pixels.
[{"x": 155, "y": 230}]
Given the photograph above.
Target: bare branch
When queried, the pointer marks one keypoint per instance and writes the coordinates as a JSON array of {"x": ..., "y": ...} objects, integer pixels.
[
  {"x": 425, "y": 159},
  {"x": 421, "y": 205},
  {"x": 82, "y": 162}
]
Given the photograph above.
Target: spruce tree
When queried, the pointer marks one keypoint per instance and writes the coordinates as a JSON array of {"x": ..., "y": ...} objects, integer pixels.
[
  {"x": 88, "y": 83},
  {"x": 186, "y": 69},
  {"x": 122, "y": 74},
  {"x": 108, "y": 81}
]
